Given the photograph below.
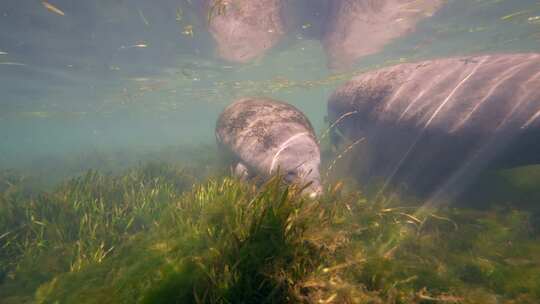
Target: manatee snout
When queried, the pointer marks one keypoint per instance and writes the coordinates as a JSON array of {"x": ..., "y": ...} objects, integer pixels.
[
  {"x": 310, "y": 179},
  {"x": 314, "y": 189},
  {"x": 301, "y": 166}
]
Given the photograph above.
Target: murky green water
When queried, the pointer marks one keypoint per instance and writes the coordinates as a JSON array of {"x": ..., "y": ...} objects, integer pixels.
[{"x": 78, "y": 91}]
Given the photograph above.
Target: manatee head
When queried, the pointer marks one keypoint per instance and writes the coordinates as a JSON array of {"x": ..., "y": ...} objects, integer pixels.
[{"x": 299, "y": 163}]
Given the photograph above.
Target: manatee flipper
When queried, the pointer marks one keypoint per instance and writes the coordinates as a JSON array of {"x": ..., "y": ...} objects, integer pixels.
[{"x": 241, "y": 171}]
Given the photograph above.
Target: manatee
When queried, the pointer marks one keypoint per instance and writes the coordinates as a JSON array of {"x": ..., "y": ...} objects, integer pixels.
[
  {"x": 357, "y": 28},
  {"x": 244, "y": 29},
  {"x": 265, "y": 135},
  {"x": 433, "y": 126}
]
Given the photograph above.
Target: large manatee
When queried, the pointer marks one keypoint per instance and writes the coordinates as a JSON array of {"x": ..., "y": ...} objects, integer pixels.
[
  {"x": 265, "y": 136},
  {"x": 356, "y": 28},
  {"x": 434, "y": 125},
  {"x": 244, "y": 29}
]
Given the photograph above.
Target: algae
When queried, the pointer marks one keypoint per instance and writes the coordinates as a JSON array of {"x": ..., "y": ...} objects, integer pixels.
[{"x": 159, "y": 234}]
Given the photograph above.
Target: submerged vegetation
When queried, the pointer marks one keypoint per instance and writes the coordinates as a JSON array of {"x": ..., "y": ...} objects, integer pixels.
[{"x": 159, "y": 234}]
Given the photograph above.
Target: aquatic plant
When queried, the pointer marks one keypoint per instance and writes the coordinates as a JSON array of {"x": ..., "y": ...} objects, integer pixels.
[
  {"x": 156, "y": 234},
  {"x": 80, "y": 222}
]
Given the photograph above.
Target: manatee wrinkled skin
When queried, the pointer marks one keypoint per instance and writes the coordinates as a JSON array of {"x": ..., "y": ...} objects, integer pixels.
[
  {"x": 265, "y": 136},
  {"x": 357, "y": 28},
  {"x": 244, "y": 29},
  {"x": 434, "y": 125}
]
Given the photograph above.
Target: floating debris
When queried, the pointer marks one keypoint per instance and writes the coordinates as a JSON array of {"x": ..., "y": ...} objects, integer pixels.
[
  {"x": 40, "y": 114},
  {"x": 342, "y": 117},
  {"x": 3, "y": 53},
  {"x": 188, "y": 30},
  {"x": 477, "y": 29},
  {"x": 143, "y": 18},
  {"x": 510, "y": 16},
  {"x": 49, "y": 114},
  {"x": 140, "y": 45},
  {"x": 139, "y": 79},
  {"x": 52, "y": 8},
  {"x": 12, "y": 63},
  {"x": 186, "y": 73},
  {"x": 179, "y": 14},
  {"x": 342, "y": 154},
  {"x": 534, "y": 20},
  {"x": 306, "y": 26}
]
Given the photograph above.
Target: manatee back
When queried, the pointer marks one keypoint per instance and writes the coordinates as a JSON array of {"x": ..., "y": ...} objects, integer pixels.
[
  {"x": 434, "y": 124},
  {"x": 483, "y": 93},
  {"x": 253, "y": 129}
]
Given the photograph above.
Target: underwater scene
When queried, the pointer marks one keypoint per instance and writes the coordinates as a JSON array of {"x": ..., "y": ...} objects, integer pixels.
[{"x": 270, "y": 151}]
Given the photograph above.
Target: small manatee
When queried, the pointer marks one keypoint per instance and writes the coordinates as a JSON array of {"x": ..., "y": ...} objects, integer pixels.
[{"x": 265, "y": 136}]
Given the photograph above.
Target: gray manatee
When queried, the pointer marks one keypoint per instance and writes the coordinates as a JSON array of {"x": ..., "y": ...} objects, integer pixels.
[
  {"x": 433, "y": 126},
  {"x": 357, "y": 28},
  {"x": 244, "y": 29},
  {"x": 265, "y": 136},
  {"x": 350, "y": 29}
]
